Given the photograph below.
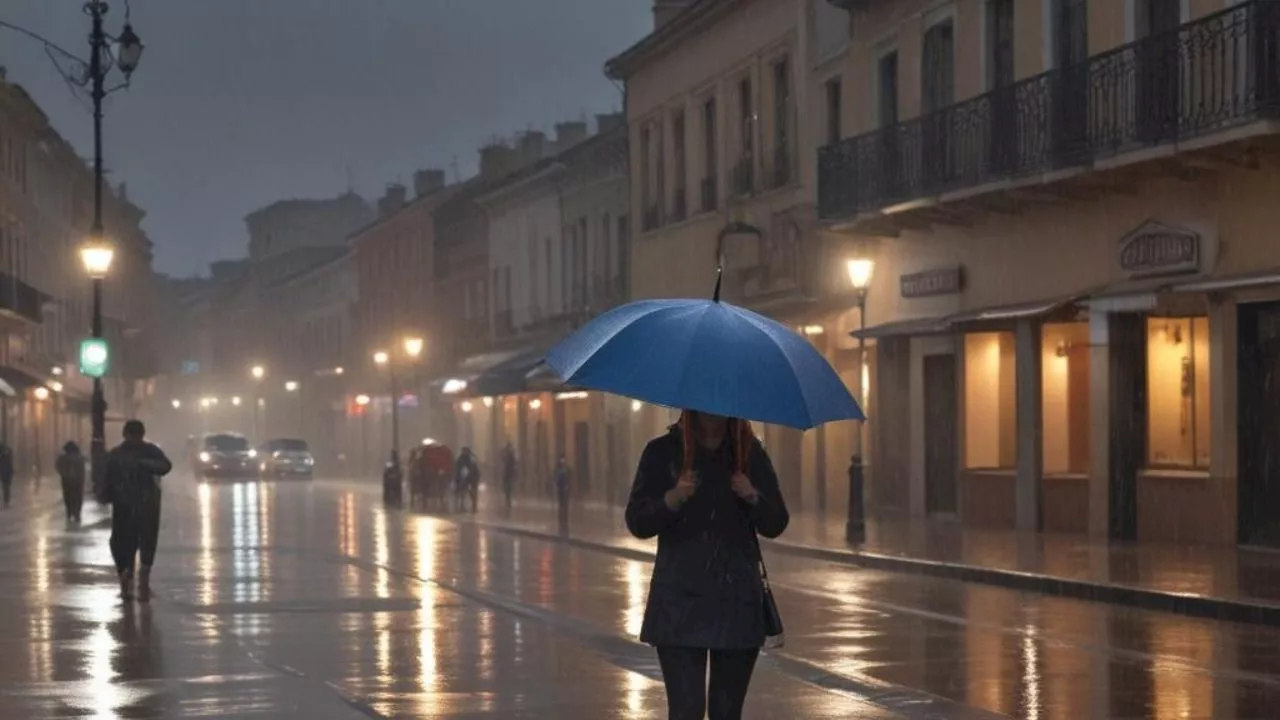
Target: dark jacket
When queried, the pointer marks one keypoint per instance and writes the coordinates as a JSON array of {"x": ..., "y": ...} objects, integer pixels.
[
  {"x": 706, "y": 590},
  {"x": 133, "y": 472}
]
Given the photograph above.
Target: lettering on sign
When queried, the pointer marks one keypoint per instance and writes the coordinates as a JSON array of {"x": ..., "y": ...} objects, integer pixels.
[
  {"x": 943, "y": 281},
  {"x": 1159, "y": 249}
]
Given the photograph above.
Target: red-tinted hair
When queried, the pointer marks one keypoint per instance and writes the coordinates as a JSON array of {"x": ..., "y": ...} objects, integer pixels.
[{"x": 740, "y": 433}]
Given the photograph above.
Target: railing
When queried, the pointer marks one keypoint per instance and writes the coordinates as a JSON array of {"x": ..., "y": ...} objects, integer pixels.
[
  {"x": 781, "y": 166},
  {"x": 742, "y": 178},
  {"x": 19, "y": 298},
  {"x": 651, "y": 218},
  {"x": 709, "y": 194},
  {"x": 1203, "y": 77},
  {"x": 680, "y": 205}
]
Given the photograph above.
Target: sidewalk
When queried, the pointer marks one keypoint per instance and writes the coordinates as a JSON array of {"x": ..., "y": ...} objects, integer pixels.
[{"x": 1226, "y": 583}]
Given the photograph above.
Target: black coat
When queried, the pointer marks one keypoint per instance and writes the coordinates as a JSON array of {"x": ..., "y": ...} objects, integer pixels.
[{"x": 706, "y": 590}]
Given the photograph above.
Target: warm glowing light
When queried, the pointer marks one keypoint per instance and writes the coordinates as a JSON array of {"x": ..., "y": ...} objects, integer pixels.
[
  {"x": 55, "y": 386},
  {"x": 466, "y": 406},
  {"x": 291, "y": 386},
  {"x": 453, "y": 386},
  {"x": 576, "y": 395},
  {"x": 258, "y": 372},
  {"x": 488, "y": 402},
  {"x": 381, "y": 357},
  {"x": 860, "y": 272},
  {"x": 413, "y": 346},
  {"x": 176, "y": 403},
  {"x": 42, "y": 393},
  {"x": 339, "y": 370},
  {"x": 535, "y": 403},
  {"x": 56, "y": 369},
  {"x": 636, "y": 405},
  {"x": 96, "y": 256},
  {"x": 812, "y": 330},
  {"x": 204, "y": 403},
  {"x": 363, "y": 400},
  {"x": 235, "y": 401}
]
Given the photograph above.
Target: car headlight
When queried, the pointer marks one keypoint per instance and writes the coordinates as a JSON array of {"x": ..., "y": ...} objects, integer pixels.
[
  {"x": 204, "y": 457},
  {"x": 253, "y": 453},
  {"x": 309, "y": 461}
]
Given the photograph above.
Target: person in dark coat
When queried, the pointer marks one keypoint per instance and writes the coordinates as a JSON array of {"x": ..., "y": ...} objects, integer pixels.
[
  {"x": 467, "y": 479},
  {"x": 392, "y": 477},
  {"x": 705, "y": 489},
  {"x": 131, "y": 483},
  {"x": 70, "y": 467},
  {"x": 6, "y": 471}
]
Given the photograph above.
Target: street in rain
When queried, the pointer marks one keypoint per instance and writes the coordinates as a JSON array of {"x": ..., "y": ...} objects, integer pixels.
[{"x": 632, "y": 359}]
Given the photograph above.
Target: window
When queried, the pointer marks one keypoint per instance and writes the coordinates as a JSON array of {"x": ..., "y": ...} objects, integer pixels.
[
  {"x": 781, "y": 123},
  {"x": 835, "y": 120},
  {"x": 937, "y": 81},
  {"x": 747, "y": 116},
  {"x": 887, "y": 89},
  {"x": 1178, "y": 392},
  {"x": 681, "y": 170},
  {"x": 1064, "y": 370},
  {"x": 1000, "y": 71},
  {"x": 990, "y": 405},
  {"x": 1071, "y": 40},
  {"x": 710, "y": 155}
]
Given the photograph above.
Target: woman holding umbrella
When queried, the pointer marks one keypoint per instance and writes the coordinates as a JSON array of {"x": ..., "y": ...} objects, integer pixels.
[{"x": 705, "y": 489}]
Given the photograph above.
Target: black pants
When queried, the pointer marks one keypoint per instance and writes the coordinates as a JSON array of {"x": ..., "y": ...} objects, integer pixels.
[
  {"x": 135, "y": 528},
  {"x": 72, "y": 497},
  {"x": 689, "y": 697}
]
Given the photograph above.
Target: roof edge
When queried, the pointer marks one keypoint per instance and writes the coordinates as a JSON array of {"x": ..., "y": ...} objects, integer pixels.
[{"x": 693, "y": 18}]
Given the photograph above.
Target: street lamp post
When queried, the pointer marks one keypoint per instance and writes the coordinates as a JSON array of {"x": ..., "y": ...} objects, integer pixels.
[
  {"x": 295, "y": 388},
  {"x": 413, "y": 350},
  {"x": 362, "y": 401},
  {"x": 860, "y": 272},
  {"x": 257, "y": 372}
]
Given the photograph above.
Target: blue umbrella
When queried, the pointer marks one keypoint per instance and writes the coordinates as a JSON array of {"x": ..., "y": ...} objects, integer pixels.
[{"x": 705, "y": 355}]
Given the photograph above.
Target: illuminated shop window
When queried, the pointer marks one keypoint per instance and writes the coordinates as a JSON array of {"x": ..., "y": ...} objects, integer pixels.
[
  {"x": 1178, "y": 392},
  {"x": 990, "y": 407},
  {"x": 1064, "y": 367}
]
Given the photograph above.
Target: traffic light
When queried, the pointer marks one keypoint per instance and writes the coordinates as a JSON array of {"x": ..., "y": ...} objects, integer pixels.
[{"x": 94, "y": 357}]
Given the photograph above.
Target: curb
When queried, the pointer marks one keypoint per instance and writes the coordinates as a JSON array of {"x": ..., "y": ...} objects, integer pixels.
[{"x": 1185, "y": 604}]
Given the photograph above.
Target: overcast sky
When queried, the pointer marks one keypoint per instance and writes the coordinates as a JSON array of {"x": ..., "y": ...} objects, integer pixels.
[{"x": 238, "y": 103}]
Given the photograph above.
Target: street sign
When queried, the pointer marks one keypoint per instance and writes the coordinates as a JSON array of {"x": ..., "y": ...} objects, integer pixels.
[{"x": 94, "y": 357}]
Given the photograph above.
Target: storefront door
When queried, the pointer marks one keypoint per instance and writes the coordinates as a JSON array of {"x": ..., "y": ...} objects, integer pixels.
[
  {"x": 940, "y": 438},
  {"x": 1259, "y": 424}
]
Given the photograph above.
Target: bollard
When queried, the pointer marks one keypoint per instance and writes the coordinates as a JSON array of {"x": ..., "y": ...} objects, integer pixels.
[{"x": 855, "y": 528}]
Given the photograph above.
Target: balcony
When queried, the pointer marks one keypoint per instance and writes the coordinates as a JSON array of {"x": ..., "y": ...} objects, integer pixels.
[
  {"x": 20, "y": 300},
  {"x": 709, "y": 194},
  {"x": 1216, "y": 74},
  {"x": 680, "y": 205},
  {"x": 651, "y": 218}
]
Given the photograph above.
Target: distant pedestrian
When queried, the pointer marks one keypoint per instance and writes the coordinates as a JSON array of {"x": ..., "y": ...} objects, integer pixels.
[
  {"x": 705, "y": 490},
  {"x": 508, "y": 473},
  {"x": 392, "y": 479},
  {"x": 467, "y": 479},
  {"x": 6, "y": 471},
  {"x": 131, "y": 483},
  {"x": 70, "y": 467}
]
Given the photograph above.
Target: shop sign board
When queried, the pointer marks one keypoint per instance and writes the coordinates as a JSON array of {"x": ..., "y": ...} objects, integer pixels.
[
  {"x": 941, "y": 281},
  {"x": 1155, "y": 249}
]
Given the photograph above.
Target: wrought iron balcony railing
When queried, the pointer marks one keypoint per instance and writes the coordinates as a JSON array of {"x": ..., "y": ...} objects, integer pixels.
[
  {"x": 20, "y": 299},
  {"x": 1206, "y": 76}
]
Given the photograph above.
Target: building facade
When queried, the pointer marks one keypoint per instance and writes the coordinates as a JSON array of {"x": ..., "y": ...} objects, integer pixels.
[
  {"x": 1073, "y": 302},
  {"x": 721, "y": 101}
]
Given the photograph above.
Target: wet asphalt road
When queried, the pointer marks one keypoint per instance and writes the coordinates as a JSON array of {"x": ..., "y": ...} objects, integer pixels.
[{"x": 308, "y": 600}]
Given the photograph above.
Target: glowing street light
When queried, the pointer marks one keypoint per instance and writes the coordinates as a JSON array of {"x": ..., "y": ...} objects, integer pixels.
[
  {"x": 363, "y": 400},
  {"x": 413, "y": 346},
  {"x": 96, "y": 256},
  {"x": 176, "y": 403},
  {"x": 291, "y": 386},
  {"x": 381, "y": 357},
  {"x": 42, "y": 393},
  {"x": 258, "y": 372},
  {"x": 235, "y": 400}
]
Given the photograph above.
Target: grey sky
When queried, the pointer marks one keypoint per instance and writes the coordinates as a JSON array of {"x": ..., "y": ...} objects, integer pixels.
[{"x": 241, "y": 102}]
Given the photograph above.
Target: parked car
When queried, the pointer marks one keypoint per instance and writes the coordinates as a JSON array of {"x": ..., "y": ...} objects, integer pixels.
[
  {"x": 283, "y": 457},
  {"x": 225, "y": 455}
]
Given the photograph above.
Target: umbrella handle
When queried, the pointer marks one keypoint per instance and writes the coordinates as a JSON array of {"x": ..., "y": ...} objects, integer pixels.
[
  {"x": 729, "y": 229},
  {"x": 719, "y": 276}
]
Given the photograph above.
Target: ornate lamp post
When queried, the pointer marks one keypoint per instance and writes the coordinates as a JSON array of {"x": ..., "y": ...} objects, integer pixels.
[{"x": 860, "y": 273}]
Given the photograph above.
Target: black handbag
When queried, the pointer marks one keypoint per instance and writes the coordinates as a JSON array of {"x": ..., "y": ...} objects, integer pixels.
[{"x": 774, "y": 634}]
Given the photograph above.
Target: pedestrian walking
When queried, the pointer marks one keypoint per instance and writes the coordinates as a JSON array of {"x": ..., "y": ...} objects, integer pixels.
[
  {"x": 467, "y": 479},
  {"x": 392, "y": 479},
  {"x": 6, "y": 472},
  {"x": 508, "y": 473},
  {"x": 70, "y": 467},
  {"x": 131, "y": 483},
  {"x": 705, "y": 489}
]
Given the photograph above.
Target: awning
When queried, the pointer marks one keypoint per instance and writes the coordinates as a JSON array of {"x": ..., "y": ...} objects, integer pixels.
[
  {"x": 1229, "y": 282},
  {"x": 459, "y": 382},
  {"x": 508, "y": 378},
  {"x": 17, "y": 380},
  {"x": 898, "y": 328},
  {"x": 1127, "y": 295},
  {"x": 1020, "y": 311}
]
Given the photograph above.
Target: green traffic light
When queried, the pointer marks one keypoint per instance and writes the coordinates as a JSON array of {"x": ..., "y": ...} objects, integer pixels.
[{"x": 94, "y": 357}]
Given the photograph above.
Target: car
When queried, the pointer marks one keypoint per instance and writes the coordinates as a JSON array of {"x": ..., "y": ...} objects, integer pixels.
[
  {"x": 283, "y": 457},
  {"x": 224, "y": 455}
]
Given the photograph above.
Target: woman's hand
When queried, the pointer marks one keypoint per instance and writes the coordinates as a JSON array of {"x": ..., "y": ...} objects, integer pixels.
[
  {"x": 685, "y": 486},
  {"x": 743, "y": 488}
]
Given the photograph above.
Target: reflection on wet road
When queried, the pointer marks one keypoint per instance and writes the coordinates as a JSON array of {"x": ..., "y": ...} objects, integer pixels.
[{"x": 310, "y": 601}]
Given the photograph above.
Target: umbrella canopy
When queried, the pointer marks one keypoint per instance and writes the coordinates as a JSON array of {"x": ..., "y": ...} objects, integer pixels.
[{"x": 705, "y": 355}]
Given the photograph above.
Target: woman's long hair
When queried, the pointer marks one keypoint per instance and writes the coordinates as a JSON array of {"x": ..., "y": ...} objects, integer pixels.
[{"x": 739, "y": 434}]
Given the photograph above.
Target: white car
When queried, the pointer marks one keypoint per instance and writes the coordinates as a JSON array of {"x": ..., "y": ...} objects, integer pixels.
[{"x": 286, "y": 457}]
